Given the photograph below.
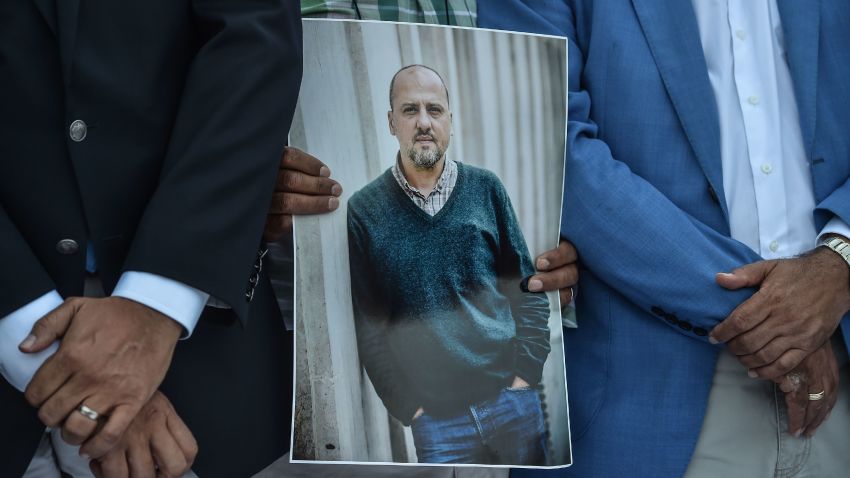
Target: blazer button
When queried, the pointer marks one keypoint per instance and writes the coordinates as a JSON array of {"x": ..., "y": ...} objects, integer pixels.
[
  {"x": 67, "y": 246},
  {"x": 78, "y": 130},
  {"x": 657, "y": 311},
  {"x": 685, "y": 325},
  {"x": 671, "y": 319},
  {"x": 700, "y": 332}
]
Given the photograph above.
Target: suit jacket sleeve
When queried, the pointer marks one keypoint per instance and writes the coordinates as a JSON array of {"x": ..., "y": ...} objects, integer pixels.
[
  {"x": 835, "y": 205},
  {"x": 19, "y": 289},
  {"x": 202, "y": 225},
  {"x": 626, "y": 231}
]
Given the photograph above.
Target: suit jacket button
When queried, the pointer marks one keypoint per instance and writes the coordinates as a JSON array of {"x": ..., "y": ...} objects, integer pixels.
[
  {"x": 685, "y": 325},
  {"x": 671, "y": 319},
  {"x": 657, "y": 311},
  {"x": 67, "y": 246},
  {"x": 78, "y": 130},
  {"x": 701, "y": 332}
]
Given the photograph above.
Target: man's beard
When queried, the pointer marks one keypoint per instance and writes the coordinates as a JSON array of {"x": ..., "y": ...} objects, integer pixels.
[{"x": 425, "y": 159}]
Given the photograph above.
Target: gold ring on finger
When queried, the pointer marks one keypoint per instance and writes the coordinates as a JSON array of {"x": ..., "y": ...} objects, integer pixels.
[
  {"x": 817, "y": 396},
  {"x": 88, "y": 413}
]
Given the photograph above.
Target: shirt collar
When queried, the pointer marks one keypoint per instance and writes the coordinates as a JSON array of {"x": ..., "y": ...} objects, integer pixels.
[{"x": 448, "y": 166}]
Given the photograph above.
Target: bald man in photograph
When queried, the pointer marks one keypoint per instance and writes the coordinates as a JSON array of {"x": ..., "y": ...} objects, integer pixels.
[{"x": 452, "y": 344}]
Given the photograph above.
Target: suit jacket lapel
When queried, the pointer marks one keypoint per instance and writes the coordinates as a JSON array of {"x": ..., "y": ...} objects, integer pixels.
[
  {"x": 671, "y": 30},
  {"x": 48, "y": 11},
  {"x": 67, "y": 15},
  {"x": 801, "y": 29}
]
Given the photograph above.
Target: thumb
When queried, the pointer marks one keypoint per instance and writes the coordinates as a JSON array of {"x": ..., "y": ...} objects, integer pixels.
[
  {"x": 50, "y": 327},
  {"x": 796, "y": 403},
  {"x": 750, "y": 275}
]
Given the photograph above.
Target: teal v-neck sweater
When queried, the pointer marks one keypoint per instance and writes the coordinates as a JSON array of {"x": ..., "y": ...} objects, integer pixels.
[{"x": 440, "y": 317}]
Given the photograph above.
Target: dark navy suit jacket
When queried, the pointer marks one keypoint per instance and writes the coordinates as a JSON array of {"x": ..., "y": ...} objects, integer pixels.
[{"x": 187, "y": 105}]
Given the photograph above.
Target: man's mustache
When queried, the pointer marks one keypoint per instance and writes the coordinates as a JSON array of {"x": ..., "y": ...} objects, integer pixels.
[{"x": 424, "y": 136}]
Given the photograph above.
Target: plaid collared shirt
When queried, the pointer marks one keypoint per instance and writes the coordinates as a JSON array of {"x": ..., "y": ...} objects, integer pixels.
[
  {"x": 442, "y": 12},
  {"x": 433, "y": 202}
]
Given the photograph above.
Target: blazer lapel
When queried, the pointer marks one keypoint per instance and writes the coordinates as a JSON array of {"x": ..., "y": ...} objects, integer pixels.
[
  {"x": 67, "y": 16},
  {"x": 671, "y": 30},
  {"x": 801, "y": 29},
  {"x": 48, "y": 11}
]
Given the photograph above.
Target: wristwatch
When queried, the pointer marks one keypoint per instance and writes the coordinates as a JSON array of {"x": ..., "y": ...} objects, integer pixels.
[{"x": 840, "y": 246}]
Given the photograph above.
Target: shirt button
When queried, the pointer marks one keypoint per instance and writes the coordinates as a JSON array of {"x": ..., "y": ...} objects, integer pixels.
[
  {"x": 67, "y": 246},
  {"x": 766, "y": 168},
  {"x": 753, "y": 100},
  {"x": 741, "y": 34},
  {"x": 774, "y": 246},
  {"x": 78, "y": 130}
]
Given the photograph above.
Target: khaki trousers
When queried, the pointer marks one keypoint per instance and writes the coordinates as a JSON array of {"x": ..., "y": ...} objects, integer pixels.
[{"x": 745, "y": 430}]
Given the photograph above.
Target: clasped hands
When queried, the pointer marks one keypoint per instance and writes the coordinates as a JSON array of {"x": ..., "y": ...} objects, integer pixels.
[
  {"x": 782, "y": 333},
  {"x": 113, "y": 356}
]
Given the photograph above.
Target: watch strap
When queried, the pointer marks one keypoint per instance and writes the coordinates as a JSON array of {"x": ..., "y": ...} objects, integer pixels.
[{"x": 840, "y": 246}]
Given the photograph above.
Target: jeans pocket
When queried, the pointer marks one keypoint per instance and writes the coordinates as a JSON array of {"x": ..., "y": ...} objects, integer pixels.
[{"x": 418, "y": 420}]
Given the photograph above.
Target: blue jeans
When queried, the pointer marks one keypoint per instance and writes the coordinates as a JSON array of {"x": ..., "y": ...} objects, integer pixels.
[{"x": 505, "y": 430}]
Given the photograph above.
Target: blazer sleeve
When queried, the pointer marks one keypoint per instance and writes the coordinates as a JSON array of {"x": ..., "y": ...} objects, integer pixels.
[
  {"x": 836, "y": 205},
  {"x": 27, "y": 280},
  {"x": 203, "y": 224},
  {"x": 627, "y": 232}
]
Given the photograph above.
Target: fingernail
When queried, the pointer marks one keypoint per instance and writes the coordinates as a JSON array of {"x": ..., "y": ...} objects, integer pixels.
[
  {"x": 535, "y": 285},
  {"x": 752, "y": 374},
  {"x": 324, "y": 172},
  {"x": 727, "y": 274},
  {"x": 85, "y": 457},
  {"x": 333, "y": 203},
  {"x": 542, "y": 264},
  {"x": 798, "y": 433},
  {"x": 712, "y": 340},
  {"x": 28, "y": 342},
  {"x": 336, "y": 190}
]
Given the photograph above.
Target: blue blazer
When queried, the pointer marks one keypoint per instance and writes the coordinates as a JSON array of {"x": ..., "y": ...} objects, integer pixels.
[{"x": 644, "y": 205}]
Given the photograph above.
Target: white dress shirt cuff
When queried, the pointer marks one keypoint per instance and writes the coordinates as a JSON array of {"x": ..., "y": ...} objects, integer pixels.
[
  {"x": 17, "y": 367},
  {"x": 834, "y": 226},
  {"x": 180, "y": 302}
]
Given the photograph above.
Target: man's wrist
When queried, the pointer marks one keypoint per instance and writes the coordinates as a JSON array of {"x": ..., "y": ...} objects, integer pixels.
[
  {"x": 837, "y": 264},
  {"x": 839, "y": 248},
  {"x": 837, "y": 244},
  {"x": 172, "y": 328},
  {"x": 180, "y": 302}
]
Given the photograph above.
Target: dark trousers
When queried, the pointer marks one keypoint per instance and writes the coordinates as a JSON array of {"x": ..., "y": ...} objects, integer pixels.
[{"x": 232, "y": 386}]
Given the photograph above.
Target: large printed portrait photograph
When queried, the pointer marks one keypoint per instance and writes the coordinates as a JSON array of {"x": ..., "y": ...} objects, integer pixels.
[{"x": 417, "y": 339}]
